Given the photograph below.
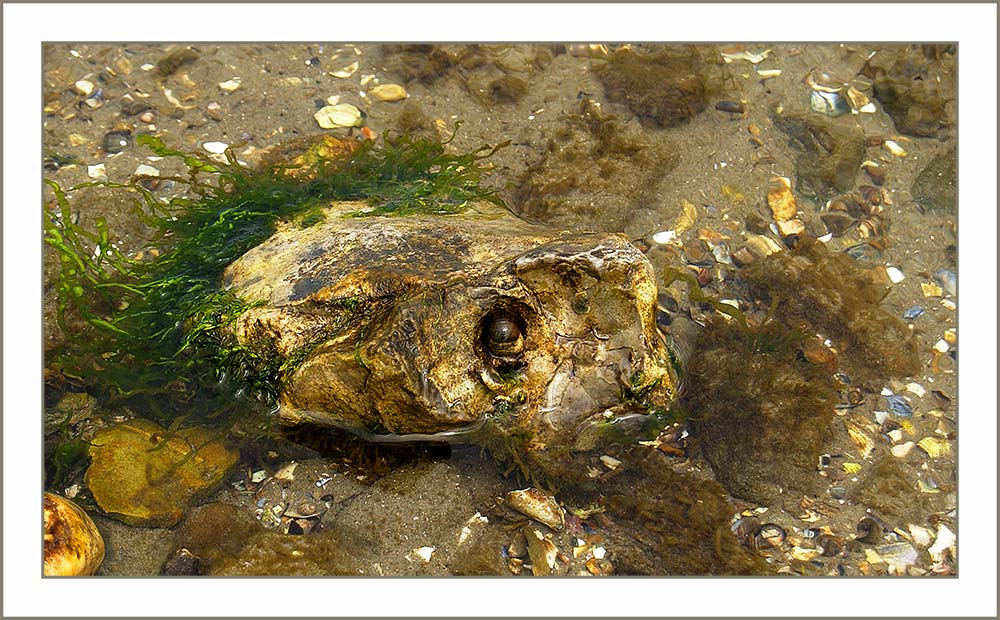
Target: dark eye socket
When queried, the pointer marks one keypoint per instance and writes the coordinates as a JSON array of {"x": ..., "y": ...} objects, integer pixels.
[{"x": 503, "y": 337}]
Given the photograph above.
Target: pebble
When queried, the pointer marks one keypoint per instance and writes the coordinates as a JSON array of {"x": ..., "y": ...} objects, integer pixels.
[
  {"x": 146, "y": 117},
  {"x": 899, "y": 407},
  {"x": 387, "y": 92},
  {"x": 895, "y": 275},
  {"x": 893, "y": 147},
  {"x": 97, "y": 171},
  {"x": 664, "y": 237},
  {"x": 913, "y": 312},
  {"x": 214, "y": 111},
  {"x": 146, "y": 170},
  {"x": 930, "y": 289},
  {"x": 116, "y": 141},
  {"x": 346, "y": 72},
  {"x": 231, "y": 85},
  {"x": 84, "y": 87}
]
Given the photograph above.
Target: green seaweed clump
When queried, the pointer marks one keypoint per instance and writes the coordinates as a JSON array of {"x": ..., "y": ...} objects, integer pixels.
[{"x": 155, "y": 333}]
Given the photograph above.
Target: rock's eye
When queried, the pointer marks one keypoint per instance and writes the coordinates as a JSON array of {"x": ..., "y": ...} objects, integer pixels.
[{"x": 504, "y": 338}]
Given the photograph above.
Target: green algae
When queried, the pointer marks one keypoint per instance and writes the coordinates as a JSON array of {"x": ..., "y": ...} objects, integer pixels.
[{"x": 156, "y": 332}]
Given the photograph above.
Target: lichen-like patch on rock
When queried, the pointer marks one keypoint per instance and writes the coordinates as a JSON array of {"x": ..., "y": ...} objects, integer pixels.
[
  {"x": 831, "y": 151},
  {"x": 665, "y": 88},
  {"x": 593, "y": 155},
  {"x": 142, "y": 474}
]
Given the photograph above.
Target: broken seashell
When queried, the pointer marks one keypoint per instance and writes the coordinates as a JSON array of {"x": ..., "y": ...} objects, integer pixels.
[
  {"x": 539, "y": 506},
  {"x": 920, "y": 535},
  {"x": 542, "y": 552},
  {"x": 943, "y": 544},
  {"x": 339, "y": 115},
  {"x": 902, "y": 449},
  {"x": 781, "y": 200},
  {"x": 346, "y": 72},
  {"x": 935, "y": 447}
]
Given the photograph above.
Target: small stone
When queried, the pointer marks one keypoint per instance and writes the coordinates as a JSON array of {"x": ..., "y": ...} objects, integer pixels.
[
  {"x": 231, "y": 85},
  {"x": 387, "y": 92},
  {"x": 145, "y": 475},
  {"x": 664, "y": 236},
  {"x": 790, "y": 227},
  {"x": 146, "y": 170},
  {"x": 84, "y": 87},
  {"x": 610, "y": 462},
  {"x": 346, "y": 72},
  {"x": 97, "y": 171},
  {"x": 116, "y": 141},
  {"x": 930, "y": 289},
  {"x": 214, "y": 111},
  {"x": 182, "y": 563},
  {"x": 895, "y": 275},
  {"x": 76, "y": 139},
  {"x": 893, "y": 147},
  {"x": 146, "y": 117}
]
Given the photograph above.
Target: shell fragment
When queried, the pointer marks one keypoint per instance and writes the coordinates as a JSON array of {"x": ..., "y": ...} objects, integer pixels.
[
  {"x": 339, "y": 115},
  {"x": 539, "y": 506}
]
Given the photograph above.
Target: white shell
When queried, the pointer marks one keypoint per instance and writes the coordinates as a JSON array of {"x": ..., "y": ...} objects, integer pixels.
[
  {"x": 347, "y": 71},
  {"x": 339, "y": 115},
  {"x": 945, "y": 541},
  {"x": 895, "y": 275},
  {"x": 664, "y": 237},
  {"x": 902, "y": 449},
  {"x": 216, "y": 148}
]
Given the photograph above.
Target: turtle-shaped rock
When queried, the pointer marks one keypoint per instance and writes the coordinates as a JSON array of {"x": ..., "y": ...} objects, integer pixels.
[{"x": 430, "y": 324}]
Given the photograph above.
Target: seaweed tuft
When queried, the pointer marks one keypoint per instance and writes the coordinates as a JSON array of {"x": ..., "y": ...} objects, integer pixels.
[{"x": 159, "y": 330}]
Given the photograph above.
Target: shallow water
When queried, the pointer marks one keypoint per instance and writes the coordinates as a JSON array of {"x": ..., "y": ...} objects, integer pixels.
[{"x": 661, "y": 511}]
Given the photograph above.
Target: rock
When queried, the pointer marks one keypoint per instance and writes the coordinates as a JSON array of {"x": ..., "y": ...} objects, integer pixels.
[
  {"x": 935, "y": 188},
  {"x": 832, "y": 151},
  {"x": 73, "y": 544},
  {"x": 142, "y": 474},
  {"x": 183, "y": 562},
  {"x": 916, "y": 87},
  {"x": 666, "y": 88}
]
